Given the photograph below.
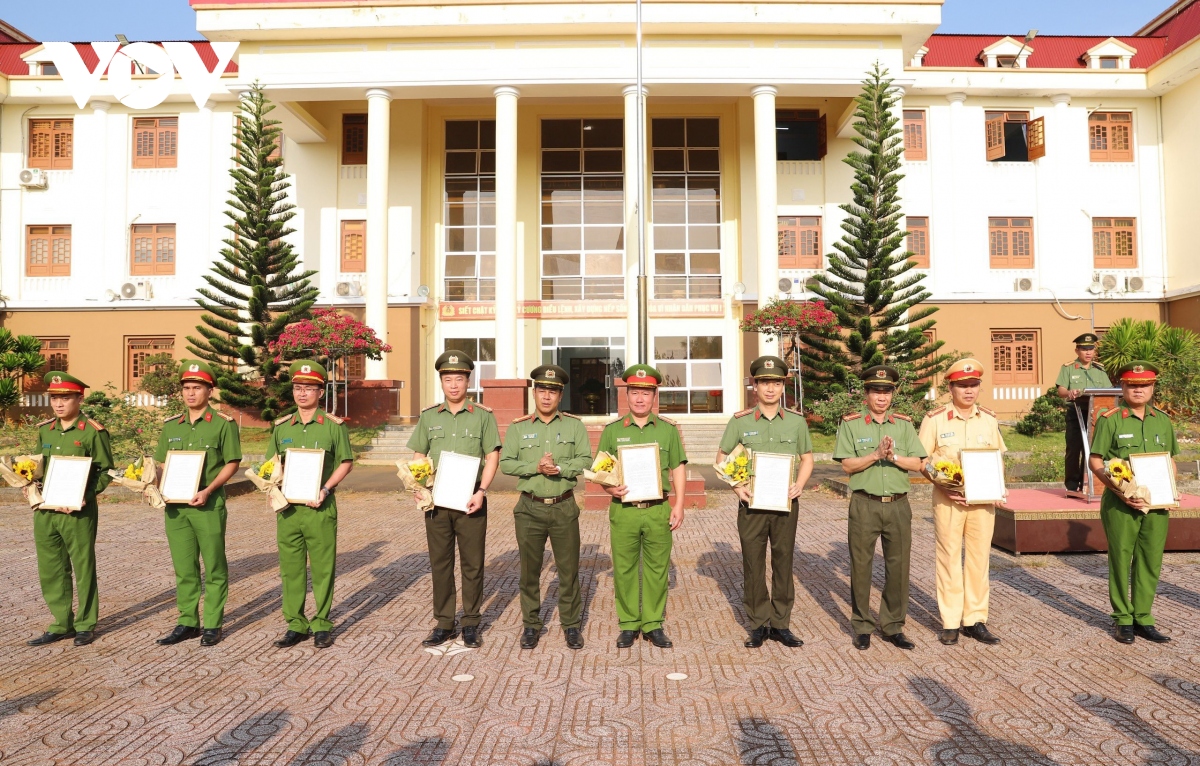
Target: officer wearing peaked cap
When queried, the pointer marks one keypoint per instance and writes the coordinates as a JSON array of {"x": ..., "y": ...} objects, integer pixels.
[
  {"x": 307, "y": 534},
  {"x": 464, "y": 427},
  {"x": 65, "y": 540},
  {"x": 196, "y": 530},
  {"x": 1083, "y": 373}
]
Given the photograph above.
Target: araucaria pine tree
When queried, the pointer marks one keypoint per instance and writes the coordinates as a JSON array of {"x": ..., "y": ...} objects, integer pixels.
[
  {"x": 257, "y": 288},
  {"x": 870, "y": 284}
]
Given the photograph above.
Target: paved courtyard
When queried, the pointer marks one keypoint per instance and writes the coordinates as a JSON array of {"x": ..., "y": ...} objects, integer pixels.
[{"x": 1058, "y": 690}]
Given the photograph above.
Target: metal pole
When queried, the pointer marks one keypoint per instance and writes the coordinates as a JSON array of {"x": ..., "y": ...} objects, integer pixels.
[{"x": 642, "y": 281}]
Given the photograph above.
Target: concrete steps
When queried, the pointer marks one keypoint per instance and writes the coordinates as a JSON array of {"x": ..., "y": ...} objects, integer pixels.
[{"x": 388, "y": 446}]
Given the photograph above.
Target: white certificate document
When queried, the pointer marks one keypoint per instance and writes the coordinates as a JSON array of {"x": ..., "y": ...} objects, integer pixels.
[
  {"x": 1155, "y": 472},
  {"x": 641, "y": 472},
  {"x": 771, "y": 482},
  {"x": 302, "y": 475},
  {"x": 454, "y": 480},
  {"x": 181, "y": 476},
  {"x": 983, "y": 476},
  {"x": 66, "y": 482}
]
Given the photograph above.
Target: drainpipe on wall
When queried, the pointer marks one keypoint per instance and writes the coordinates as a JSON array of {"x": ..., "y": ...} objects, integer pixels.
[{"x": 1165, "y": 311}]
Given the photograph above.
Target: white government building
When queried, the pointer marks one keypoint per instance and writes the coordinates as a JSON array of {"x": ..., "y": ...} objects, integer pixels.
[{"x": 465, "y": 177}]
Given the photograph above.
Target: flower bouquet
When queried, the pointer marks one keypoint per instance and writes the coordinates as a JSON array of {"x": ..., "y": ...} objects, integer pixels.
[
  {"x": 944, "y": 470},
  {"x": 267, "y": 479},
  {"x": 141, "y": 477},
  {"x": 1121, "y": 474},
  {"x": 417, "y": 477},
  {"x": 734, "y": 470},
  {"x": 24, "y": 472},
  {"x": 605, "y": 471}
]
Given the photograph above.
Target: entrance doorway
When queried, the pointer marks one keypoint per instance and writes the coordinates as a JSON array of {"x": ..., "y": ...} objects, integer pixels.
[{"x": 592, "y": 364}]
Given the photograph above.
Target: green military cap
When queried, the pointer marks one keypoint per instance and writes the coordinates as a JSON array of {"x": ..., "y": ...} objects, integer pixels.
[
  {"x": 767, "y": 367},
  {"x": 1137, "y": 371},
  {"x": 454, "y": 361},
  {"x": 642, "y": 376},
  {"x": 307, "y": 371},
  {"x": 549, "y": 375},
  {"x": 1087, "y": 340},
  {"x": 880, "y": 376},
  {"x": 195, "y": 371},
  {"x": 58, "y": 382}
]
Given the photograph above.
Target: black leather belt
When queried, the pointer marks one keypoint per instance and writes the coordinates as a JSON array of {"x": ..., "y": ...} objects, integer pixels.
[
  {"x": 548, "y": 500},
  {"x": 882, "y": 498}
]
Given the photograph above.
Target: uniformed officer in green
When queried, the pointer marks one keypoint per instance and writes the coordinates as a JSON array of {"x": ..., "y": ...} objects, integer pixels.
[
  {"x": 464, "y": 427},
  {"x": 641, "y": 531},
  {"x": 307, "y": 534},
  {"x": 546, "y": 451},
  {"x": 1136, "y": 535},
  {"x": 1073, "y": 378},
  {"x": 769, "y": 427},
  {"x": 196, "y": 530},
  {"x": 878, "y": 448},
  {"x": 66, "y": 541}
]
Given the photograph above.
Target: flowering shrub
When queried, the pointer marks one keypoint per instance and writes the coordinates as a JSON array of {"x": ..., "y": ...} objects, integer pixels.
[
  {"x": 329, "y": 333},
  {"x": 786, "y": 317}
]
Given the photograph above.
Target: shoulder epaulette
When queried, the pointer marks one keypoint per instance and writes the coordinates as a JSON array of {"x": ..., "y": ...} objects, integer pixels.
[
  {"x": 851, "y": 416},
  {"x": 430, "y": 407},
  {"x": 523, "y": 418},
  {"x": 1098, "y": 365},
  {"x": 282, "y": 419},
  {"x": 617, "y": 419},
  {"x": 225, "y": 416},
  {"x": 96, "y": 425},
  {"x": 668, "y": 421},
  {"x": 335, "y": 418},
  {"x": 46, "y": 422},
  {"x": 938, "y": 411},
  {"x": 1111, "y": 412},
  {"x": 570, "y": 415},
  {"x": 901, "y": 417},
  {"x": 483, "y": 407},
  {"x": 743, "y": 412},
  {"x": 172, "y": 417},
  {"x": 986, "y": 411}
]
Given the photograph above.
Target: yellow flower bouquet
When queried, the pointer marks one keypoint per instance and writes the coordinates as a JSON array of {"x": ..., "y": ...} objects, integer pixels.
[
  {"x": 25, "y": 473},
  {"x": 140, "y": 476},
  {"x": 944, "y": 470},
  {"x": 417, "y": 477},
  {"x": 1122, "y": 475},
  {"x": 605, "y": 471},
  {"x": 267, "y": 478},
  {"x": 734, "y": 470}
]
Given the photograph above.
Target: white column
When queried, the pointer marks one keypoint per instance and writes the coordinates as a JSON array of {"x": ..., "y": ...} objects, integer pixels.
[
  {"x": 767, "y": 218},
  {"x": 379, "y": 135},
  {"x": 634, "y": 129},
  {"x": 506, "y": 232},
  {"x": 107, "y": 265},
  {"x": 957, "y": 200}
]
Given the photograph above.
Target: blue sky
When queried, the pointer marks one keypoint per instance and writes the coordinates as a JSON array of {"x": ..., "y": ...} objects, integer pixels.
[{"x": 174, "y": 19}]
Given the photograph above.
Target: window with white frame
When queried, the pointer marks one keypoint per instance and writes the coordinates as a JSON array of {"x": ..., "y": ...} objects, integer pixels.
[
  {"x": 470, "y": 210},
  {"x": 686, "y": 212},
  {"x": 483, "y": 352},
  {"x": 691, "y": 370}
]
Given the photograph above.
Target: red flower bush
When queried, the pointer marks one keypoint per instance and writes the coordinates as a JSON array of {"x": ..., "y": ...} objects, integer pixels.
[
  {"x": 329, "y": 333},
  {"x": 789, "y": 317}
]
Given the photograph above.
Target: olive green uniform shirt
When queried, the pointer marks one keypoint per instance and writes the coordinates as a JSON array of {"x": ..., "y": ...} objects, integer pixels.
[
  {"x": 471, "y": 431},
  {"x": 859, "y": 435},
  {"x": 784, "y": 434},
  {"x": 85, "y": 438},
  {"x": 625, "y": 431},
  {"x": 324, "y": 432},
  {"x": 1075, "y": 377},
  {"x": 528, "y": 438},
  {"x": 1120, "y": 433},
  {"x": 214, "y": 434}
]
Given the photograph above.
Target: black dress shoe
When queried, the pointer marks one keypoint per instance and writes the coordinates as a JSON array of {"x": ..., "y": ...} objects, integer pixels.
[
  {"x": 900, "y": 641},
  {"x": 210, "y": 637},
  {"x": 757, "y": 636},
  {"x": 626, "y": 639},
  {"x": 949, "y": 637},
  {"x": 1148, "y": 632},
  {"x": 786, "y": 637},
  {"x": 1124, "y": 634},
  {"x": 323, "y": 639},
  {"x": 574, "y": 638},
  {"x": 49, "y": 638},
  {"x": 85, "y": 637},
  {"x": 980, "y": 633},
  {"x": 862, "y": 641},
  {"x": 181, "y": 633},
  {"x": 530, "y": 638},
  {"x": 440, "y": 636},
  {"x": 291, "y": 638},
  {"x": 658, "y": 638},
  {"x": 471, "y": 638}
]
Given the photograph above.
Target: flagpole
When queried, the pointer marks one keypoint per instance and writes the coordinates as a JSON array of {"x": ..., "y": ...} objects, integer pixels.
[{"x": 642, "y": 287}]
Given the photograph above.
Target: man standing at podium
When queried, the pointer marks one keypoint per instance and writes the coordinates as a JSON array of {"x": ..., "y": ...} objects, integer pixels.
[{"x": 1073, "y": 378}]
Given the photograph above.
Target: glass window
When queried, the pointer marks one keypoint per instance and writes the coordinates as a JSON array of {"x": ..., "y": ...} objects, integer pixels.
[
  {"x": 691, "y": 370},
  {"x": 469, "y": 215},
  {"x": 686, "y": 207}
]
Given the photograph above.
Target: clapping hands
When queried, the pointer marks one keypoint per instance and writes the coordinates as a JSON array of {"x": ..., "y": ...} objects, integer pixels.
[{"x": 886, "y": 449}]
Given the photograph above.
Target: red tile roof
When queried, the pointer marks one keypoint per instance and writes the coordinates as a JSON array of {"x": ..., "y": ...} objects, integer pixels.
[
  {"x": 1180, "y": 25},
  {"x": 11, "y": 62},
  {"x": 1049, "y": 51}
]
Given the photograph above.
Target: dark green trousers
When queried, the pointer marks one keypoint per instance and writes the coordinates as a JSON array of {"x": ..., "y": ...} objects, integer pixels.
[
  {"x": 759, "y": 529},
  {"x": 66, "y": 548},
  {"x": 871, "y": 520},
  {"x": 1135, "y": 553},
  {"x": 444, "y": 528},
  {"x": 194, "y": 534},
  {"x": 535, "y": 523},
  {"x": 307, "y": 538}
]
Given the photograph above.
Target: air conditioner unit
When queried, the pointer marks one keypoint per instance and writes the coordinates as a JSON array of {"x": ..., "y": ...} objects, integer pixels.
[
  {"x": 785, "y": 285},
  {"x": 349, "y": 289},
  {"x": 1134, "y": 284},
  {"x": 1108, "y": 282},
  {"x": 32, "y": 178},
  {"x": 138, "y": 291},
  {"x": 810, "y": 283},
  {"x": 1022, "y": 285}
]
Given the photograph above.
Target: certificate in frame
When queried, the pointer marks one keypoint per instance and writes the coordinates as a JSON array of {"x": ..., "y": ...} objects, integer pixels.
[
  {"x": 181, "y": 475},
  {"x": 771, "y": 482},
  {"x": 303, "y": 472},
  {"x": 66, "y": 480},
  {"x": 1156, "y": 471},
  {"x": 451, "y": 488},
  {"x": 641, "y": 471},
  {"x": 983, "y": 476}
]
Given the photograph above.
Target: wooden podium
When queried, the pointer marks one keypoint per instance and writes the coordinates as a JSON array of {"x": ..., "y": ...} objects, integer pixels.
[{"x": 1099, "y": 400}]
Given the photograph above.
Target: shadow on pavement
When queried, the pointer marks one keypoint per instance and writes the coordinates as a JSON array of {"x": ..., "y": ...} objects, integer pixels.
[
  {"x": 335, "y": 749},
  {"x": 761, "y": 742},
  {"x": 249, "y": 735},
  {"x": 1127, "y": 721}
]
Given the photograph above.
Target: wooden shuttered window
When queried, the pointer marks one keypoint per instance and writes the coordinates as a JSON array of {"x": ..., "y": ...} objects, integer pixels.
[
  {"x": 918, "y": 240},
  {"x": 354, "y": 246},
  {"x": 48, "y": 251},
  {"x": 354, "y": 139},
  {"x": 136, "y": 351},
  {"x": 1010, "y": 243},
  {"x": 1013, "y": 137},
  {"x": 56, "y": 351},
  {"x": 155, "y": 142},
  {"x": 799, "y": 242},
  {"x": 994, "y": 134},
  {"x": 1110, "y": 136},
  {"x": 51, "y": 144},
  {"x": 822, "y": 137},
  {"x": 1036, "y": 135},
  {"x": 1114, "y": 243},
  {"x": 914, "y": 135},
  {"x": 1015, "y": 357},
  {"x": 152, "y": 249}
]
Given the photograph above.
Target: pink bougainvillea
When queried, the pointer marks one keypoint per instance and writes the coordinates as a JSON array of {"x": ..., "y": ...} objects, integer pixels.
[
  {"x": 328, "y": 333},
  {"x": 788, "y": 317}
]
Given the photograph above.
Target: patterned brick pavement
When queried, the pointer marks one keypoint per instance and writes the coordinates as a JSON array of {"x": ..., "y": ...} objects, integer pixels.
[{"x": 1058, "y": 690}]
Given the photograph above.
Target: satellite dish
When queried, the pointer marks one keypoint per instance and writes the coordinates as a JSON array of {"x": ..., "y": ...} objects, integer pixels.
[
  {"x": 111, "y": 296},
  {"x": 739, "y": 288},
  {"x": 423, "y": 291},
  {"x": 128, "y": 290}
]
